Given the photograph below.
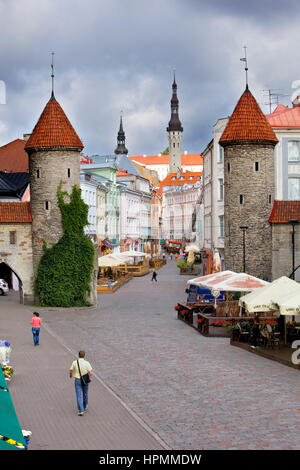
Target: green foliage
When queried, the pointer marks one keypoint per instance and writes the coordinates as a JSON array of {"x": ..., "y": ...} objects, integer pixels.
[
  {"x": 166, "y": 151},
  {"x": 65, "y": 270},
  {"x": 182, "y": 264}
]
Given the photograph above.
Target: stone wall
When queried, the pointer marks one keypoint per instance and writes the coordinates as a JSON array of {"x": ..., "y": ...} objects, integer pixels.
[
  {"x": 282, "y": 251},
  {"x": 256, "y": 187},
  {"x": 18, "y": 256}
]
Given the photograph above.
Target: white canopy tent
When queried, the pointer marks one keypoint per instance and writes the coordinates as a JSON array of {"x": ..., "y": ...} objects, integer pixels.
[
  {"x": 268, "y": 298},
  {"x": 229, "y": 281},
  {"x": 111, "y": 261},
  {"x": 133, "y": 254},
  {"x": 289, "y": 305}
]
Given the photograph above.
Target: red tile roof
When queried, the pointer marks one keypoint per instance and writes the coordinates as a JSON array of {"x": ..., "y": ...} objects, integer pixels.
[
  {"x": 189, "y": 177},
  {"x": 13, "y": 157},
  {"x": 285, "y": 117},
  {"x": 247, "y": 123},
  {"x": 283, "y": 211},
  {"x": 15, "y": 212},
  {"x": 53, "y": 129},
  {"x": 186, "y": 159}
]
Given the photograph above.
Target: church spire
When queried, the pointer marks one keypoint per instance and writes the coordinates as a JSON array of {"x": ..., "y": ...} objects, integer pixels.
[
  {"x": 174, "y": 130},
  {"x": 121, "y": 149},
  {"x": 174, "y": 123}
]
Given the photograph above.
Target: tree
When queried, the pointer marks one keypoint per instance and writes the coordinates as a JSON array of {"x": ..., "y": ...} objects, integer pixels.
[{"x": 65, "y": 270}]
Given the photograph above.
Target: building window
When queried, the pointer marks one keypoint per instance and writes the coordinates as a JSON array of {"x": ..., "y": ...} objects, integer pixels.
[
  {"x": 294, "y": 189},
  {"x": 12, "y": 238},
  {"x": 293, "y": 151},
  {"x": 221, "y": 154},
  {"x": 241, "y": 199},
  {"x": 221, "y": 223},
  {"x": 69, "y": 172},
  {"x": 220, "y": 189},
  {"x": 256, "y": 166}
]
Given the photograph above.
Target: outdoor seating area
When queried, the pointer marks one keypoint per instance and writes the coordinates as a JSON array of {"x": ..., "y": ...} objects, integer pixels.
[
  {"x": 112, "y": 274},
  {"x": 256, "y": 315}
]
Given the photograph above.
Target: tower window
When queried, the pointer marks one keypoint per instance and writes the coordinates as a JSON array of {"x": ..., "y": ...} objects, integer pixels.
[
  {"x": 38, "y": 173},
  {"x": 270, "y": 199},
  {"x": 69, "y": 172},
  {"x": 256, "y": 166},
  {"x": 12, "y": 238},
  {"x": 47, "y": 205},
  {"x": 241, "y": 199},
  {"x": 228, "y": 167}
]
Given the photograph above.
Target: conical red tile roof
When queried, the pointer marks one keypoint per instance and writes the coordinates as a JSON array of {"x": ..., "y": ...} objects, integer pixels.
[
  {"x": 53, "y": 129},
  {"x": 247, "y": 123}
]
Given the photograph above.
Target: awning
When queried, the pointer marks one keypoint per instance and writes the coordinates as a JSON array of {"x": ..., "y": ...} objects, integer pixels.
[
  {"x": 107, "y": 243},
  {"x": 175, "y": 243},
  {"x": 9, "y": 423},
  {"x": 269, "y": 297}
]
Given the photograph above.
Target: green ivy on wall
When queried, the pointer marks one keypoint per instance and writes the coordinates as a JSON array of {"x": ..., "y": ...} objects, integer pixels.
[{"x": 65, "y": 270}]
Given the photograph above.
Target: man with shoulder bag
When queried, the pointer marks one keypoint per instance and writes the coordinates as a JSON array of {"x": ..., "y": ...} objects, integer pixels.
[{"x": 82, "y": 371}]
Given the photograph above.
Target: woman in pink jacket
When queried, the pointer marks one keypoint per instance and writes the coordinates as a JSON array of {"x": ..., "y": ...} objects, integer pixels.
[{"x": 36, "y": 325}]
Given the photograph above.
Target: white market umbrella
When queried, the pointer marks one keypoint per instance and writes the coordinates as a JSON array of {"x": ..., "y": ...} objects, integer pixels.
[
  {"x": 266, "y": 298},
  {"x": 229, "y": 281},
  {"x": 290, "y": 304},
  {"x": 216, "y": 262},
  {"x": 193, "y": 248},
  {"x": 133, "y": 254},
  {"x": 110, "y": 261}
]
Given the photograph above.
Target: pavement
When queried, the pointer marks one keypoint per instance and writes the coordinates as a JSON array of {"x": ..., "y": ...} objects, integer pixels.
[{"x": 158, "y": 383}]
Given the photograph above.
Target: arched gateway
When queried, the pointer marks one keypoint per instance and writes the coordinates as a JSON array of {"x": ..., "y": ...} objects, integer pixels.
[{"x": 16, "y": 247}]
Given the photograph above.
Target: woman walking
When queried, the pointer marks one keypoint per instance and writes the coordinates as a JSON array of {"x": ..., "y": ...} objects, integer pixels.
[{"x": 36, "y": 325}]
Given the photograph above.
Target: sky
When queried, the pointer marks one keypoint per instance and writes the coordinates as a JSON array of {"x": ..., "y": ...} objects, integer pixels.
[{"x": 114, "y": 56}]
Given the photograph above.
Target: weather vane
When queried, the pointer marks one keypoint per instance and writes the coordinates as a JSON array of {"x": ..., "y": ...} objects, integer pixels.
[
  {"x": 244, "y": 59},
  {"x": 52, "y": 75}
]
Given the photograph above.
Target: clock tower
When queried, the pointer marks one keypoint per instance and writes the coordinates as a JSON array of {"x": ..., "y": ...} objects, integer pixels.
[{"x": 174, "y": 130}]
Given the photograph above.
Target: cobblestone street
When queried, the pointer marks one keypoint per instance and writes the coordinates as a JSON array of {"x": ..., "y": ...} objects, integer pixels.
[{"x": 194, "y": 392}]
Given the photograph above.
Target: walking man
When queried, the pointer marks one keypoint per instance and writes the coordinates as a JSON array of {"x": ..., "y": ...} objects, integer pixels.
[
  {"x": 154, "y": 276},
  {"x": 36, "y": 326},
  {"x": 81, "y": 368}
]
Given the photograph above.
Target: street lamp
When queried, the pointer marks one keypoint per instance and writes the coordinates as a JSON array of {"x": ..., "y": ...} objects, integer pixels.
[
  {"x": 244, "y": 228},
  {"x": 293, "y": 222}
]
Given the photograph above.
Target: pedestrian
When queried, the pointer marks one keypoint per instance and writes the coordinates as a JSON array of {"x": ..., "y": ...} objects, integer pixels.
[
  {"x": 171, "y": 256},
  {"x": 82, "y": 371},
  {"x": 36, "y": 322},
  {"x": 255, "y": 331},
  {"x": 154, "y": 276}
]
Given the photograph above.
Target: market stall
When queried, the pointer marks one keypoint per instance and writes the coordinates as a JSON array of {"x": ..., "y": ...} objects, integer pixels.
[
  {"x": 139, "y": 262},
  {"x": 220, "y": 308},
  {"x": 113, "y": 273}
]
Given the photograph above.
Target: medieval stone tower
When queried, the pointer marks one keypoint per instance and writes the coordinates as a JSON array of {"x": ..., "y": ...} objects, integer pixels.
[
  {"x": 54, "y": 157},
  {"x": 248, "y": 141},
  {"x": 174, "y": 130}
]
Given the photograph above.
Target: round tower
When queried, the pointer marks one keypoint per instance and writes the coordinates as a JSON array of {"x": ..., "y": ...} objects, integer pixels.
[
  {"x": 248, "y": 141},
  {"x": 54, "y": 157},
  {"x": 174, "y": 130}
]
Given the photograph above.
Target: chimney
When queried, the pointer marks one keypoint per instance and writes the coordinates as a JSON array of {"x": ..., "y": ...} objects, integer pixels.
[
  {"x": 185, "y": 152},
  {"x": 26, "y": 137}
]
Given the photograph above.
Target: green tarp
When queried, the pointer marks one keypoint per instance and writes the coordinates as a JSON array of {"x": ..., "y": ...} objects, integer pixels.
[{"x": 9, "y": 423}]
